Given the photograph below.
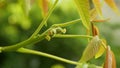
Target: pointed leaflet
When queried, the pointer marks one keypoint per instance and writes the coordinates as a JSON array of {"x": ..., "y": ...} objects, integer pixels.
[
  {"x": 110, "y": 61},
  {"x": 91, "y": 49},
  {"x": 44, "y": 6},
  {"x": 93, "y": 14},
  {"x": 101, "y": 49},
  {"x": 112, "y": 4},
  {"x": 98, "y": 7},
  {"x": 83, "y": 9}
]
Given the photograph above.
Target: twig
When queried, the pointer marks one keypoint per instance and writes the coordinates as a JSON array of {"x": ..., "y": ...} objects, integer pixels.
[
  {"x": 72, "y": 36},
  {"x": 44, "y": 20},
  {"x": 28, "y": 51},
  {"x": 36, "y": 39}
]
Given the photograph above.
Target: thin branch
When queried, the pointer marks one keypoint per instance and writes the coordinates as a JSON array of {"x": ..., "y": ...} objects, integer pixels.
[
  {"x": 36, "y": 38},
  {"x": 28, "y": 51},
  {"x": 71, "y": 36},
  {"x": 45, "y": 19},
  {"x": 22, "y": 44},
  {"x": 67, "y": 23}
]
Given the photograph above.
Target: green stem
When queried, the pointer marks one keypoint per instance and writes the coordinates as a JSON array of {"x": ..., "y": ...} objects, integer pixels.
[
  {"x": 67, "y": 23},
  {"x": 72, "y": 36},
  {"x": 22, "y": 44},
  {"x": 28, "y": 51},
  {"x": 40, "y": 38},
  {"x": 35, "y": 39},
  {"x": 44, "y": 20}
]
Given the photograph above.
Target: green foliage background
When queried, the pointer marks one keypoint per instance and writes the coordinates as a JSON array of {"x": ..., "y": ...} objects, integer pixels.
[{"x": 16, "y": 25}]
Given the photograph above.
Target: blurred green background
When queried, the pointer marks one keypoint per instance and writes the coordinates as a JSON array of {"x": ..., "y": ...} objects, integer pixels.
[{"x": 19, "y": 19}]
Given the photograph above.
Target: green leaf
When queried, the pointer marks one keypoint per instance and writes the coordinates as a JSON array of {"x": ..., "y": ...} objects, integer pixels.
[
  {"x": 26, "y": 5},
  {"x": 98, "y": 7},
  {"x": 100, "y": 52},
  {"x": 83, "y": 9},
  {"x": 84, "y": 65},
  {"x": 101, "y": 49},
  {"x": 93, "y": 14},
  {"x": 91, "y": 49},
  {"x": 57, "y": 66}
]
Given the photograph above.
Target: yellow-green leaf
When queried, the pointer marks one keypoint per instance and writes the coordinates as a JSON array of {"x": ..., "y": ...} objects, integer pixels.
[
  {"x": 91, "y": 49},
  {"x": 93, "y": 14},
  {"x": 44, "y": 6},
  {"x": 83, "y": 9},
  {"x": 98, "y": 7},
  {"x": 101, "y": 49},
  {"x": 26, "y": 5},
  {"x": 57, "y": 66},
  {"x": 112, "y": 4}
]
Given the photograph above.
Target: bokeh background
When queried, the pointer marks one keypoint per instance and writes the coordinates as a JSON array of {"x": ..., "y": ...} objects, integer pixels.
[{"x": 19, "y": 19}]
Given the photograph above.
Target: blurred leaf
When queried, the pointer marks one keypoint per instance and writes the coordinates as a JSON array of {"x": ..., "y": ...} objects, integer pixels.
[
  {"x": 18, "y": 16},
  {"x": 98, "y": 7},
  {"x": 84, "y": 65},
  {"x": 93, "y": 14},
  {"x": 83, "y": 9},
  {"x": 110, "y": 61},
  {"x": 48, "y": 37},
  {"x": 112, "y": 4},
  {"x": 58, "y": 66},
  {"x": 2, "y": 4},
  {"x": 91, "y": 49},
  {"x": 44, "y": 6},
  {"x": 26, "y": 6},
  {"x": 101, "y": 49}
]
